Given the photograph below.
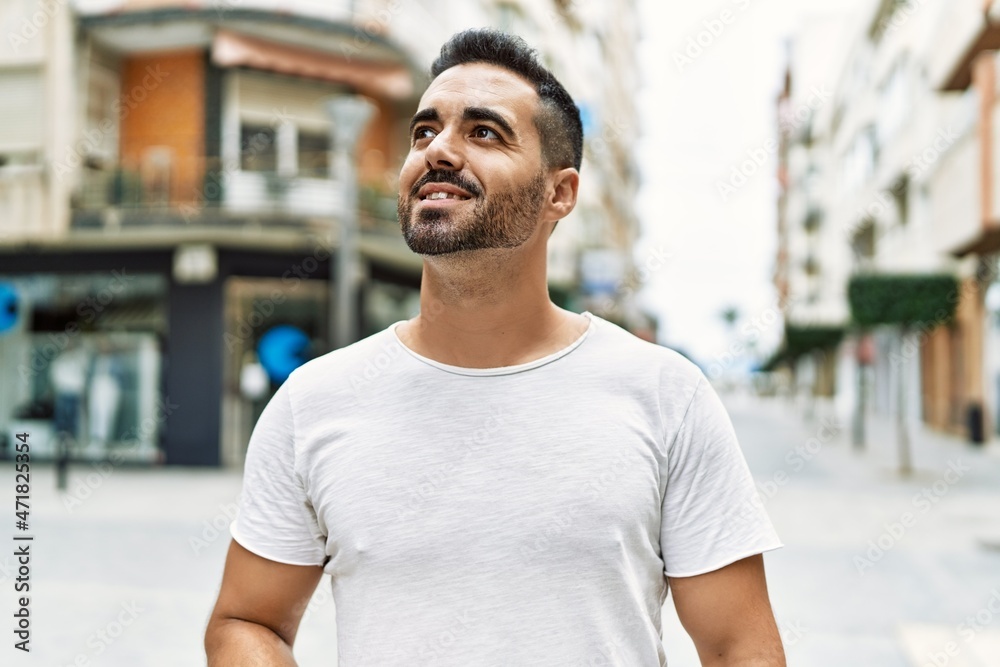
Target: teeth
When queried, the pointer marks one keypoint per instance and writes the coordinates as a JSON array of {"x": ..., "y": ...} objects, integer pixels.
[{"x": 444, "y": 195}]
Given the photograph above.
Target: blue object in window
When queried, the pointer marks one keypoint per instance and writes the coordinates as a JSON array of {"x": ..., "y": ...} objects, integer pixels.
[
  {"x": 281, "y": 350},
  {"x": 9, "y": 307}
]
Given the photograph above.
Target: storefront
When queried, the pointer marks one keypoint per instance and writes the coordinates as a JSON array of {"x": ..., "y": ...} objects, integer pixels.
[
  {"x": 136, "y": 363},
  {"x": 82, "y": 353}
]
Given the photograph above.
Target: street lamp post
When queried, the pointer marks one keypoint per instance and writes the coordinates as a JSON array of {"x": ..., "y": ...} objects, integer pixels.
[{"x": 349, "y": 114}]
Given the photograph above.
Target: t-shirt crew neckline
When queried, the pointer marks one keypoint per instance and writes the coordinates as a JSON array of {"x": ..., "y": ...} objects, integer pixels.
[{"x": 501, "y": 370}]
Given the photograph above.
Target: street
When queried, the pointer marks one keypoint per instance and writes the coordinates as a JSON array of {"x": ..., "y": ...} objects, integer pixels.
[{"x": 876, "y": 571}]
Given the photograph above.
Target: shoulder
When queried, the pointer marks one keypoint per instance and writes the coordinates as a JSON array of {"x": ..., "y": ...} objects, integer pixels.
[
  {"x": 676, "y": 373},
  {"x": 662, "y": 378},
  {"x": 340, "y": 371}
]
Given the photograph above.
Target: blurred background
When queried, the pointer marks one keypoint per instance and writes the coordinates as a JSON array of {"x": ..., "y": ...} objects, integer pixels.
[{"x": 802, "y": 197}]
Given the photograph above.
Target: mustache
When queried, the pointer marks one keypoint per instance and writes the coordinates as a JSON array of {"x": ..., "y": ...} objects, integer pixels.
[{"x": 443, "y": 176}]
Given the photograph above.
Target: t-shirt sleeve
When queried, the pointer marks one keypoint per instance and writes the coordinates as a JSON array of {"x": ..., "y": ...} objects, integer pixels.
[
  {"x": 276, "y": 520},
  {"x": 712, "y": 514}
]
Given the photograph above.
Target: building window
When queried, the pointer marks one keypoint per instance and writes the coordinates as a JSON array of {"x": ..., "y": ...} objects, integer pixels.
[
  {"x": 901, "y": 195},
  {"x": 895, "y": 102},
  {"x": 258, "y": 148},
  {"x": 314, "y": 154},
  {"x": 863, "y": 244}
]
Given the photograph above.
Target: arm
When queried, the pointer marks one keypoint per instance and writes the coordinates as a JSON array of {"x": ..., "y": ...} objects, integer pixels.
[
  {"x": 728, "y": 615},
  {"x": 258, "y": 611}
]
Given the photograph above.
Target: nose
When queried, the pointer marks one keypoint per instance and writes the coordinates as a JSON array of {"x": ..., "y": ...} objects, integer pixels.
[{"x": 444, "y": 152}]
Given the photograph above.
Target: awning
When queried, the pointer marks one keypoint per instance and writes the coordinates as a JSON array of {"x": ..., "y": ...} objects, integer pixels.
[
  {"x": 988, "y": 39},
  {"x": 378, "y": 80},
  {"x": 986, "y": 242}
]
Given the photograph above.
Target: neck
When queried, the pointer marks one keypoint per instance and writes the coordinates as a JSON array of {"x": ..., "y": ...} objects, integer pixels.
[{"x": 487, "y": 309}]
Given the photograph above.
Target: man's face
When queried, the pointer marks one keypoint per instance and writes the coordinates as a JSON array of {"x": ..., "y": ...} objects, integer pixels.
[{"x": 474, "y": 178}]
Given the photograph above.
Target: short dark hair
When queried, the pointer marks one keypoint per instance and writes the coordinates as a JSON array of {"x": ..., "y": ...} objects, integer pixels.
[{"x": 559, "y": 125}]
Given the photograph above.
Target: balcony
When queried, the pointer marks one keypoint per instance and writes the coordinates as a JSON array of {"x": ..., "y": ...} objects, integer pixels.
[{"x": 224, "y": 197}]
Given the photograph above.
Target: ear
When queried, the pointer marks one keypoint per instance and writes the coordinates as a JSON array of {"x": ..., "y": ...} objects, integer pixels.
[{"x": 565, "y": 185}]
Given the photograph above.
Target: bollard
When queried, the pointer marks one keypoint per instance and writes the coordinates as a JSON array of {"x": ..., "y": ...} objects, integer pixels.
[
  {"x": 975, "y": 422},
  {"x": 62, "y": 461}
]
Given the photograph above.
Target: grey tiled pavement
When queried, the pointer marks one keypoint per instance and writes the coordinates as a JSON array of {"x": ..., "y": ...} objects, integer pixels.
[{"x": 127, "y": 577}]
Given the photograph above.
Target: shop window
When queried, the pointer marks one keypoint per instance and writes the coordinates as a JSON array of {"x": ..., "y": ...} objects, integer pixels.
[{"x": 85, "y": 350}]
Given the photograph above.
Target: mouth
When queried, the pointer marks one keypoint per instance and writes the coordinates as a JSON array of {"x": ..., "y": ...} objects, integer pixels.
[{"x": 442, "y": 193}]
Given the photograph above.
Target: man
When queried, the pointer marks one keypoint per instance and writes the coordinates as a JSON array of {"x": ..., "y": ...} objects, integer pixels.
[{"x": 496, "y": 481}]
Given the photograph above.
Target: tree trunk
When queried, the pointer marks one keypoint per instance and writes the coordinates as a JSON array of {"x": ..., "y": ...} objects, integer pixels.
[
  {"x": 902, "y": 432},
  {"x": 859, "y": 411}
]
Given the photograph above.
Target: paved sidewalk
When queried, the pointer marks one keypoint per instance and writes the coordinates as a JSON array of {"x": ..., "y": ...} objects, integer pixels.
[
  {"x": 878, "y": 571},
  {"x": 126, "y": 578}
]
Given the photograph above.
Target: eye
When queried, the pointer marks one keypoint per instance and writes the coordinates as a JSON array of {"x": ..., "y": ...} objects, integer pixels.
[
  {"x": 422, "y": 132},
  {"x": 483, "y": 132}
]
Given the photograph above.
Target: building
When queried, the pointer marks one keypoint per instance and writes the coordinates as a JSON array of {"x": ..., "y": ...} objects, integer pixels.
[
  {"x": 168, "y": 199},
  {"x": 812, "y": 262},
  {"x": 907, "y": 187}
]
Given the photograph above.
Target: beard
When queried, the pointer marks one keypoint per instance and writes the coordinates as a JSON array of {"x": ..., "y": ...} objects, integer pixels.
[{"x": 503, "y": 220}]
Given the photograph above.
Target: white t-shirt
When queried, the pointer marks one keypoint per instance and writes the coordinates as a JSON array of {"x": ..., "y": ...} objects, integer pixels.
[{"x": 523, "y": 515}]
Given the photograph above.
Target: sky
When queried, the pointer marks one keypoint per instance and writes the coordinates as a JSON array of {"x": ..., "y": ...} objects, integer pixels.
[{"x": 712, "y": 72}]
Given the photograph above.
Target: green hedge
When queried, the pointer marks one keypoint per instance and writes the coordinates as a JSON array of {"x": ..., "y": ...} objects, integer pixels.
[
  {"x": 801, "y": 340},
  {"x": 902, "y": 299}
]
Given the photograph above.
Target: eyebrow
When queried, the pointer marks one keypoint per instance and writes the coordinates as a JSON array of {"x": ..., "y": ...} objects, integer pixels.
[
  {"x": 424, "y": 115},
  {"x": 482, "y": 113},
  {"x": 470, "y": 113}
]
